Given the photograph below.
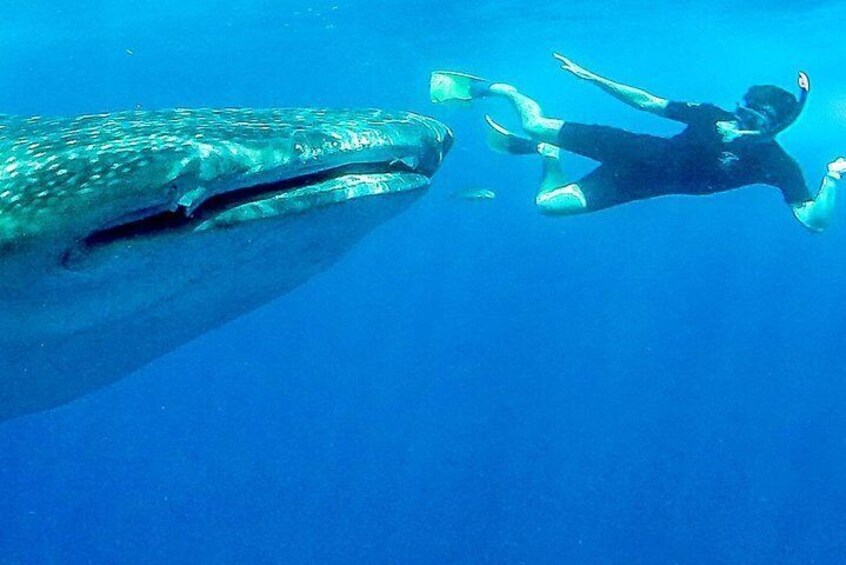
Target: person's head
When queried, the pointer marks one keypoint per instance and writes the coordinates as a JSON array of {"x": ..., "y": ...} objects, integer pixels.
[{"x": 768, "y": 109}]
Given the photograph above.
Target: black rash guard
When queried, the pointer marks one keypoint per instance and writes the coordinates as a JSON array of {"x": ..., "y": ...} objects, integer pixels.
[{"x": 696, "y": 161}]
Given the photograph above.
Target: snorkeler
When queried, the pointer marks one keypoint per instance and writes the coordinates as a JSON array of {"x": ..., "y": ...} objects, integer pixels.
[{"x": 717, "y": 151}]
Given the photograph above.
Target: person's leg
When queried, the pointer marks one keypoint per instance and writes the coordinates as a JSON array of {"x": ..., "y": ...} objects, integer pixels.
[
  {"x": 600, "y": 189},
  {"x": 601, "y": 143},
  {"x": 557, "y": 196},
  {"x": 534, "y": 123},
  {"x": 450, "y": 86}
]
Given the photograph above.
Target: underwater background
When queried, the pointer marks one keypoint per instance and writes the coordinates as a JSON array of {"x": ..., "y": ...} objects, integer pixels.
[{"x": 661, "y": 382}]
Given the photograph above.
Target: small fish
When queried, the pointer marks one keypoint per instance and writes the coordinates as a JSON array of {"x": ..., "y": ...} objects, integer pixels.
[{"x": 474, "y": 194}]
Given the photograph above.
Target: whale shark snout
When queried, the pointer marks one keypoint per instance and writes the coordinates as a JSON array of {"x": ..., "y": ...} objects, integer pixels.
[{"x": 125, "y": 235}]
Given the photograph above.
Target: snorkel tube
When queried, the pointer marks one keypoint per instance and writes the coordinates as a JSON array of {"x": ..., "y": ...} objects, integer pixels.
[{"x": 804, "y": 88}]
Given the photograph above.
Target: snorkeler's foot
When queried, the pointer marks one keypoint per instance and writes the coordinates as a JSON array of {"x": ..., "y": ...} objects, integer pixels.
[
  {"x": 504, "y": 141},
  {"x": 562, "y": 200},
  {"x": 448, "y": 85}
]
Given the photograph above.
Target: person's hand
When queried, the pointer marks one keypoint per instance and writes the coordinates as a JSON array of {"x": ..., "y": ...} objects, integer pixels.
[
  {"x": 573, "y": 68},
  {"x": 804, "y": 82},
  {"x": 837, "y": 168}
]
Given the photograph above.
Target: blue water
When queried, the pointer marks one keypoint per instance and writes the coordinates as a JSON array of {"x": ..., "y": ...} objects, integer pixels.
[{"x": 475, "y": 383}]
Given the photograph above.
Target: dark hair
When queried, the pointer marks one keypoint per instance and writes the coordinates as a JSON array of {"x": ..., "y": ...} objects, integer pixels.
[{"x": 782, "y": 102}]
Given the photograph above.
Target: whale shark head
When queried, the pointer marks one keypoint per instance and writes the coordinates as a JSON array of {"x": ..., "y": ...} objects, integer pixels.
[{"x": 124, "y": 235}]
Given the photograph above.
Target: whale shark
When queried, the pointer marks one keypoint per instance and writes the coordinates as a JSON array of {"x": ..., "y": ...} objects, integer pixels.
[{"x": 125, "y": 235}]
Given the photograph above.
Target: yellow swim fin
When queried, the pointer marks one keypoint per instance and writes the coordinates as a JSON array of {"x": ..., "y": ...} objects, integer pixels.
[{"x": 447, "y": 85}]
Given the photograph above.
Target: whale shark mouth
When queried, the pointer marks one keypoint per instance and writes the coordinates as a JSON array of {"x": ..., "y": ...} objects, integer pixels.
[{"x": 229, "y": 209}]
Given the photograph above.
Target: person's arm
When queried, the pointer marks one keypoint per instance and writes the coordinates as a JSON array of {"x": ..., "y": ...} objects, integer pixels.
[
  {"x": 630, "y": 95},
  {"x": 817, "y": 214}
]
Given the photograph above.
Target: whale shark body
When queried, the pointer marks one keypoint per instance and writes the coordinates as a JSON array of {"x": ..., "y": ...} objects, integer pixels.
[{"x": 124, "y": 235}]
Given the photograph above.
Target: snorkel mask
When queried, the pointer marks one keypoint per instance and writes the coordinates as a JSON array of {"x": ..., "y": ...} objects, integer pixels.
[{"x": 765, "y": 117}]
